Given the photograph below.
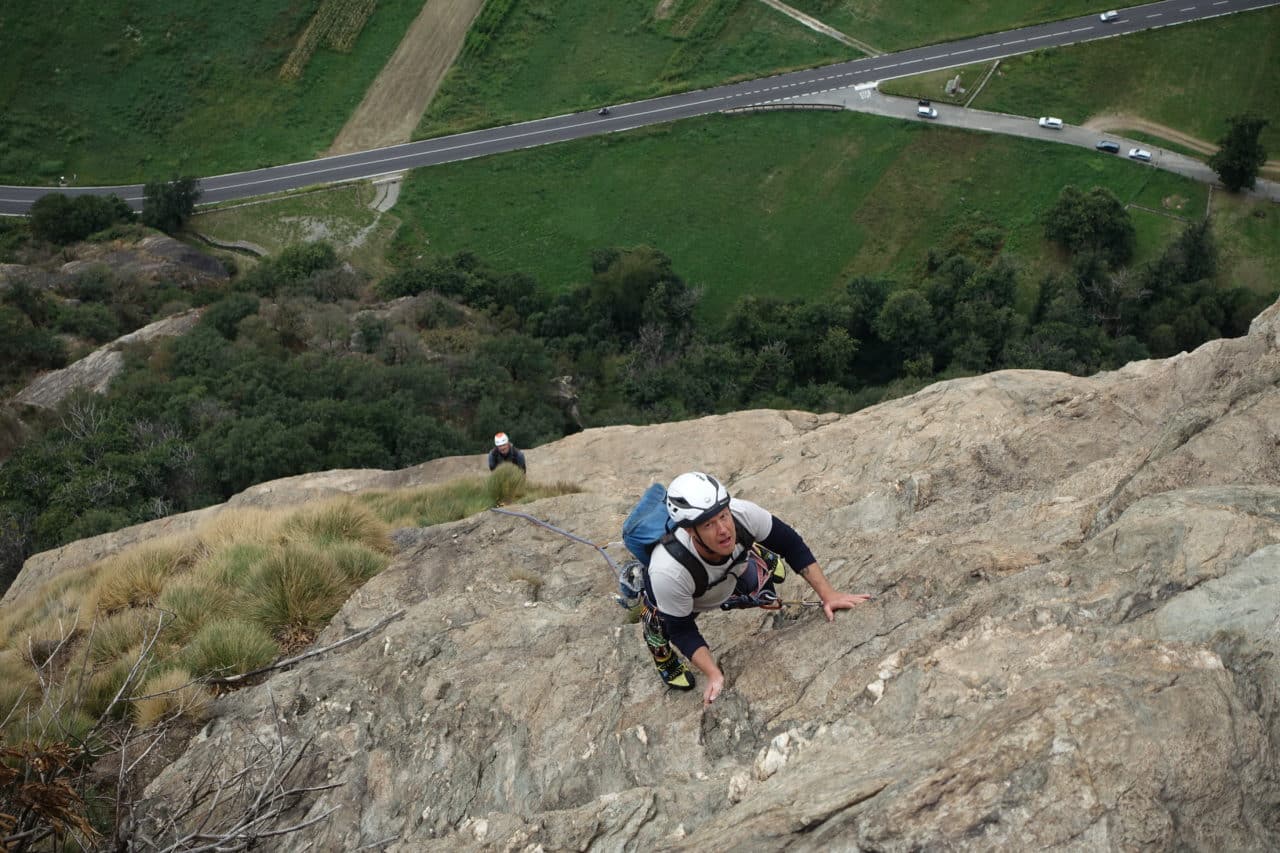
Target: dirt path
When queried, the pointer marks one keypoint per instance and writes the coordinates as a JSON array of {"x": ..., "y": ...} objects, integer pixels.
[
  {"x": 1120, "y": 121},
  {"x": 395, "y": 102}
]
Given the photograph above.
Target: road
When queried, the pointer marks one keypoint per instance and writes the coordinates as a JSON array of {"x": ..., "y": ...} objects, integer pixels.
[
  {"x": 623, "y": 117},
  {"x": 868, "y": 100}
]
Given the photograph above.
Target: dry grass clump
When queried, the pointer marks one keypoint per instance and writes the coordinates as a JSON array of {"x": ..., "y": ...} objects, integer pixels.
[
  {"x": 228, "y": 647},
  {"x": 168, "y": 695},
  {"x": 236, "y": 527},
  {"x": 424, "y": 507},
  {"x": 339, "y": 520},
  {"x": 136, "y": 577},
  {"x": 298, "y": 586}
]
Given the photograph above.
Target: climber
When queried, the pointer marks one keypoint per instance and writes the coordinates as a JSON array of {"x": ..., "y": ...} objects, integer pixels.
[
  {"x": 504, "y": 451},
  {"x": 717, "y": 533}
]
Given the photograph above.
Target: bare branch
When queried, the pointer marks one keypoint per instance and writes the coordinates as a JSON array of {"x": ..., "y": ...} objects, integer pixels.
[{"x": 233, "y": 679}]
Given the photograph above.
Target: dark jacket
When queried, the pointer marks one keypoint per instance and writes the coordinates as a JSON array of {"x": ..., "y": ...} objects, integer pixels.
[{"x": 496, "y": 457}]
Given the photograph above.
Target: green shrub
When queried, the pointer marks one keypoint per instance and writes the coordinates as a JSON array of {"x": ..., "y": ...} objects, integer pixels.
[
  {"x": 228, "y": 647},
  {"x": 19, "y": 687}
]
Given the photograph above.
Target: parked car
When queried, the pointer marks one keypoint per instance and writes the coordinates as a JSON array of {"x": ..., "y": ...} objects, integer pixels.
[
  {"x": 926, "y": 112},
  {"x": 1051, "y": 122},
  {"x": 924, "y": 102},
  {"x": 1108, "y": 16},
  {"x": 1108, "y": 146},
  {"x": 1140, "y": 154}
]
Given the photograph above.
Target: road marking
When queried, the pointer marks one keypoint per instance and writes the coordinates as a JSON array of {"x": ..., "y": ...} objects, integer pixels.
[
  {"x": 961, "y": 52},
  {"x": 1158, "y": 14},
  {"x": 1015, "y": 41},
  {"x": 1188, "y": 9},
  {"x": 1045, "y": 36},
  {"x": 910, "y": 61},
  {"x": 1220, "y": 3},
  {"x": 1081, "y": 29}
]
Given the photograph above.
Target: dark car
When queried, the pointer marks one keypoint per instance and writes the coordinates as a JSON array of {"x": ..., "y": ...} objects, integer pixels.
[
  {"x": 1108, "y": 146},
  {"x": 923, "y": 102}
]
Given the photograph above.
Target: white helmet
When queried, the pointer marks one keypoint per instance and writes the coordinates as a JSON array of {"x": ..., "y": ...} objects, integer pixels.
[
  {"x": 501, "y": 440},
  {"x": 694, "y": 497}
]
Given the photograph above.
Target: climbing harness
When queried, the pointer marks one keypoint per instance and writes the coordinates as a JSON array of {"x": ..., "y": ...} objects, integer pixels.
[{"x": 631, "y": 583}]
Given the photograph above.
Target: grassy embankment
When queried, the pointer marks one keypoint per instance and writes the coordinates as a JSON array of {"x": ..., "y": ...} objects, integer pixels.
[
  {"x": 559, "y": 56},
  {"x": 161, "y": 619},
  {"x": 117, "y": 92},
  {"x": 770, "y": 203},
  {"x": 911, "y": 23},
  {"x": 1189, "y": 77}
]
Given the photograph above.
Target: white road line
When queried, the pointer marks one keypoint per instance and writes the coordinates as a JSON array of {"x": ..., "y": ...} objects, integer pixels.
[
  {"x": 1156, "y": 15},
  {"x": 1188, "y": 9},
  {"x": 1051, "y": 35},
  {"x": 961, "y": 52},
  {"x": 1081, "y": 29},
  {"x": 1221, "y": 3},
  {"x": 911, "y": 61},
  {"x": 1015, "y": 41}
]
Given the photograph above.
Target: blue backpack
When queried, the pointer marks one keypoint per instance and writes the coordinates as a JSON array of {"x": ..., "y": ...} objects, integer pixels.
[{"x": 648, "y": 526}]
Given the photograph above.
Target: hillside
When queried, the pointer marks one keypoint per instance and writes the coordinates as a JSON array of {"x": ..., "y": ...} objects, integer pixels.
[{"x": 1072, "y": 644}]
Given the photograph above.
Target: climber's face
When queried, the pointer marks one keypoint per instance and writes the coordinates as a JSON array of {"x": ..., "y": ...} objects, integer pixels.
[{"x": 717, "y": 535}]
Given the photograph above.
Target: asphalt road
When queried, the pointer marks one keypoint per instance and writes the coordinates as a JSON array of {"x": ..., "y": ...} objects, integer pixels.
[{"x": 622, "y": 117}]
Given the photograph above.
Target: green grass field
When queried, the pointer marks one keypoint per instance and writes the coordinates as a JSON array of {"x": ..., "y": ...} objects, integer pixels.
[
  {"x": 910, "y": 23},
  {"x": 1189, "y": 77},
  {"x": 120, "y": 92},
  {"x": 558, "y": 56},
  {"x": 789, "y": 204}
]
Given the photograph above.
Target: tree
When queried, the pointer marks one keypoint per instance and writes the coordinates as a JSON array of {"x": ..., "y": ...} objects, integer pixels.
[
  {"x": 1094, "y": 221},
  {"x": 1241, "y": 155},
  {"x": 168, "y": 206},
  {"x": 65, "y": 219}
]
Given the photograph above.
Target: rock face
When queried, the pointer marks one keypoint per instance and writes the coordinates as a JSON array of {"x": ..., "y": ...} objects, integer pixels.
[
  {"x": 95, "y": 371},
  {"x": 1073, "y": 643}
]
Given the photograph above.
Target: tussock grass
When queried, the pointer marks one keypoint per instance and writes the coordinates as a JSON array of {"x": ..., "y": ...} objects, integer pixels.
[
  {"x": 227, "y": 599},
  {"x": 228, "y": 647},
  {"x": 56, "y": 721},
  {"x": 136, "y": 577},
  {"x": 240, "y": 527},
  {"x": 340, "y": 520},
  {"x": 297, "y": 587},
  {"x": 456, "y": 500},
  {"x": 168, "y": 695},
  {"x": 104, "y": 685},
  {"x": 19, "y": 687},
  {"x": 116, "y": 634},
  {"x": 193, "y": 601},
  {"x": 357, "y": 563},
  {"x": 233, "y": 565}
]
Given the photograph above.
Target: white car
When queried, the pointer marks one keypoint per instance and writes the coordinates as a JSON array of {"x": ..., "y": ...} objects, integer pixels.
[
  {"x": 1140, "y": 154},
  {"x": 1108, "y": 16},
  {"x": 1050, "y": 121},
  {"x": 926, "y": 112}
]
